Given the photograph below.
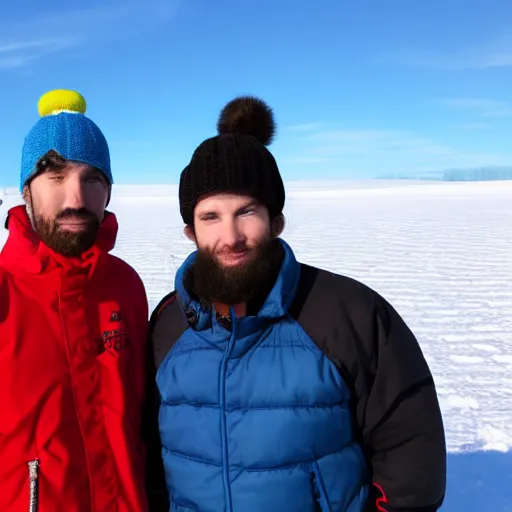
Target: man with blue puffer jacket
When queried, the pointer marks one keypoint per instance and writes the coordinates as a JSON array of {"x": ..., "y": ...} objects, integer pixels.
[{"x": 279, "y": 386}]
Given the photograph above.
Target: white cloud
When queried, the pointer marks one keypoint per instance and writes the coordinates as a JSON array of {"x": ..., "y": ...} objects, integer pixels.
[
  {"x": 492, "y": 55},
  {"x": 376, "y": 152},
  {"x": 115, "y": 19},
  {"x": 473, "y": 103},
  {"x": 35, "y": 44},
  {"x": 20, "y": 53},
  {"x": 482, "y": 106},
  {"x": 14, "y": 62},
  {"x": 473, "y": 126},
  {"x": 303, "y": 160},
  {"x": 305, "y": 127}
]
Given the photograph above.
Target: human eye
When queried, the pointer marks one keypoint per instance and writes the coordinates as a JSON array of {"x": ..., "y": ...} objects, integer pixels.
[
  {"x": 247, "y": 211},
  {"x": 94, "y": 177},
  {"x": 208, "y": 217}
]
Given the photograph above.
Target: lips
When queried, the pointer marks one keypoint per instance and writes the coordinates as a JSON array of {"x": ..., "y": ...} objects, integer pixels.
[
  {"x": 232, "y": 258},
  {"x": 74, "y": 223}
]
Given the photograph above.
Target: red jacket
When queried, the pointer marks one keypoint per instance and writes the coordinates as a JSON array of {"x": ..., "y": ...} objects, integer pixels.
[{"x": 72, "y": 345}]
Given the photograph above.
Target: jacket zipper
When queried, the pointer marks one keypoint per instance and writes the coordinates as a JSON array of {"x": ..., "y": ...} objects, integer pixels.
[
  {"x": 33, "y": 475},
  {"x": 316, "y": 493},
  {"x": 223, "y": 421},
  {"x": 319, "y": 494}
]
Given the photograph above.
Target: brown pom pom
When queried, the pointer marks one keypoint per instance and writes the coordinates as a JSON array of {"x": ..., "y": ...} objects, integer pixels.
[{"x": 248, "y": 115}]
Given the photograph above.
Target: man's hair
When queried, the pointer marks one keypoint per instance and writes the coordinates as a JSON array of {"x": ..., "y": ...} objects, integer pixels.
[{"x": 50, "y": 161}]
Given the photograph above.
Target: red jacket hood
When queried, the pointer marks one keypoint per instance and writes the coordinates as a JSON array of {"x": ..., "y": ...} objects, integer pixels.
[{"x": 25, "y": 250}]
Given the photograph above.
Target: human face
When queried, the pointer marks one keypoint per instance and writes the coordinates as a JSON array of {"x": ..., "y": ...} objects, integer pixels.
[
  {"x": 230, "y": 227},
  {"x": 68, "y": 204},
  {"x": 239, "y": 255}
]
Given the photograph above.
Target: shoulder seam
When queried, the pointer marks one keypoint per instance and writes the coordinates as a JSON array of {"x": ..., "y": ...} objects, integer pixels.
[
  {"x": 161, "y": 306},
  {"x": 169, "y": 299}
]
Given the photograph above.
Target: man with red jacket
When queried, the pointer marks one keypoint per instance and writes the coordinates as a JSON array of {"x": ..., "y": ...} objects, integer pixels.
[{"x": 73, "y": 327}]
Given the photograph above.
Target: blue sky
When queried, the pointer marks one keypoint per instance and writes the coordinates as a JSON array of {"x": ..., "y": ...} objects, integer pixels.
[{"x": 359, "y": 89}]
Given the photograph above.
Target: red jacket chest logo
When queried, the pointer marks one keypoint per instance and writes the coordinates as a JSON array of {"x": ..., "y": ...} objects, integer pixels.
[{"x": 116, "y": 337}]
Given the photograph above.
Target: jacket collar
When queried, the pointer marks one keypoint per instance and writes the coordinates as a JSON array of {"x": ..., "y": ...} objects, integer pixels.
[{"x": 25, "y": 252}]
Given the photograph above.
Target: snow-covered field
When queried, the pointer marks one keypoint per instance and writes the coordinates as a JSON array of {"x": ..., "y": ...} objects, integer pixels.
[{"x": 440, "y": 252}]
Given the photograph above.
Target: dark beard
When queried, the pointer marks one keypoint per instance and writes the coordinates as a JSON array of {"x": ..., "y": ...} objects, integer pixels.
[
  {"x": 68, "y": 243},
  {"x": 249, "y": 283}
]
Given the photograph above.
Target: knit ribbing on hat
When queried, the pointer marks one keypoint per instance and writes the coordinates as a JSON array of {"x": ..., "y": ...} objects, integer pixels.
[
  {"x": 234, "y": 162},
  {"x": 65, "y": 129}
]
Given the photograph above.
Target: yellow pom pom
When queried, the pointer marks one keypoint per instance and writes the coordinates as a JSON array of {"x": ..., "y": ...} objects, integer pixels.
[{"x": 61, "y": 100}]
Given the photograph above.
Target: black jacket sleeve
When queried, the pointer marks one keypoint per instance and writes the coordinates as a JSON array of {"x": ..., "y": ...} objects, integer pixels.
[
  {"x": 156, "y": 489},
  {"x": 166, "y": 326},
  {"x": 396, "y": 411},
  {"x": 399, "y": 417}
]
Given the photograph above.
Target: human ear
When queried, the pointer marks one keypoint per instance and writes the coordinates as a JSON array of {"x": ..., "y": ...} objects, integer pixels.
[
  {"x": 189, "y": 233},
  {"x": 278, "y": 224}
]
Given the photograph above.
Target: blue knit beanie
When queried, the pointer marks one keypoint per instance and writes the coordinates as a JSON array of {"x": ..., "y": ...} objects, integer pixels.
[{"x": 64, "y": 128}]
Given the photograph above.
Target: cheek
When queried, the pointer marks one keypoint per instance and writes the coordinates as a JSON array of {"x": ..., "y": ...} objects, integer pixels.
[
  {"x": 96, "y": 200},
  {"x": 45, "y": 206},
  {"x": 256, "y": 230},
  {"x": 205, "y": 237}
]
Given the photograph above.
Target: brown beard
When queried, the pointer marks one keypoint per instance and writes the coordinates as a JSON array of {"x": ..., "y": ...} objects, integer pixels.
[
  {"x": 68, "y": 243},
  {"x": 246, "y": 283}
]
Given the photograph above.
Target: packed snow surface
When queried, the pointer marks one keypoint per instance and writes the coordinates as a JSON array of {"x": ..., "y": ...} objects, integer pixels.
[{"x": 440, "y": 252}]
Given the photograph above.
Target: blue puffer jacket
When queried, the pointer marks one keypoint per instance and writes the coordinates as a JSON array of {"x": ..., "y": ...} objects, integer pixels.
[{"x": 257, "y": 419}]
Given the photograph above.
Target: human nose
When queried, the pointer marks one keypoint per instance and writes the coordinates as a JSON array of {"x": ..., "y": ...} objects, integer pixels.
[
  {"x": 74, "y": 189},
  {"x": 232, "y": 234}
]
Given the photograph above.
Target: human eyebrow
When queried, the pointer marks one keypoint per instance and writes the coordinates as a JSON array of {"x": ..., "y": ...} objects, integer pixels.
[{"x": 55, "y": 172}]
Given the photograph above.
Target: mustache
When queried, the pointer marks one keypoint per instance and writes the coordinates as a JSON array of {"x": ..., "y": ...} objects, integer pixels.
[{"x": 77, "y": 213}]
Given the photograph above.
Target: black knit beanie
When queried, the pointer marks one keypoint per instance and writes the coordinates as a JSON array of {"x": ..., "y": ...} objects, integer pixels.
[{"x": 236, "y": 160}]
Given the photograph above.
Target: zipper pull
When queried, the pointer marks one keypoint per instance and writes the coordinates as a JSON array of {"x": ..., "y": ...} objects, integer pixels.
[
  {"x": 33, "y": 475},
  {"x": 316, "y": 492}
]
